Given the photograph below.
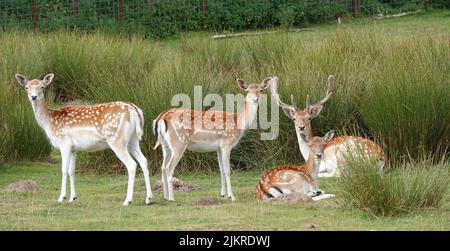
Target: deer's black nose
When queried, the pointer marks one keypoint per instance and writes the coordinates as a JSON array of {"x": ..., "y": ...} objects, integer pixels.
[
  {"x": 302, "y": 127},
  {"x": 33, "y": 97},
  {"x": 318, "y": 155}
]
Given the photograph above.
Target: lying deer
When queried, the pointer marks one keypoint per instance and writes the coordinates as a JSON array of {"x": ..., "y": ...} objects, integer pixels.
[
  {"x": 178, "y": 130},
  {"x": 117, "y": 125},
  {"x": 288, "y": 179},
  {"x": 335, "y": 150}
]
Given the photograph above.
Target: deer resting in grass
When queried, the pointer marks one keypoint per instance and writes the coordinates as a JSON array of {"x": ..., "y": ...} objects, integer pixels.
[
  {"x": 117, "y": 125},
  {"x": 335, "y": 150},
  {"x": 289, "y": 179},
  {"x": 178, "y": 130}
]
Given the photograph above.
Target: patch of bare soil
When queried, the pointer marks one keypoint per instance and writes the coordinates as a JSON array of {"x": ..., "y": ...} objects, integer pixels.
[
  {"x": 292, "y": 198},
  {"x": 178, "y": 186},
  {"x": 207, "y": 201},
  {"x": 22, "y": 186}
]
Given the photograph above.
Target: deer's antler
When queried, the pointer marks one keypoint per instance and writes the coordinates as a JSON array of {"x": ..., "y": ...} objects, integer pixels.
[
  {"x": 331, "y": 84},
  {"x": 273, "y": 90}
]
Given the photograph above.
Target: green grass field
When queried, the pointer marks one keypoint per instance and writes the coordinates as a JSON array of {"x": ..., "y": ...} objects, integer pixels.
[
  {"x": 377, "y": 64},
  {"x": 99, "y": 207}
]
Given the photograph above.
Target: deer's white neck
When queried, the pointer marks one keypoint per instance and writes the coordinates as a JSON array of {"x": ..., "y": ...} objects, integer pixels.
[
  {"x": 312, "y": 166},
  {"x": 248, "y": 115},
  {"x": 304, "y": 147},
  {"x": 315, "y": 170},
  {"x": 42, "y": 115}
]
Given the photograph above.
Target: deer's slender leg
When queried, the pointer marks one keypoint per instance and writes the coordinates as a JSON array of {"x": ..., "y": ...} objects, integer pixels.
[
  {"x": 323, "y": 196},
  {"x": 124, "y": 156},
  {"x": 65, "y": 156},
  {"x": 312, "y": 189},
  {"x": 167, "y": 156},
  {"x": 136, "y": 152},
  {"x": 225, "y": 156},
  {"x": 223, "y": 190},
  {"x": 177, "y": 153},
  {"x": 73, "y": 193},
  {"x": 274, "y": 192},
  {"x": 327, "y": 174}
]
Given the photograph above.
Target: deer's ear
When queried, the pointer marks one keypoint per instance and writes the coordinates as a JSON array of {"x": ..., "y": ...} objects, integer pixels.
[
  {"x": 289, "y": 112},
  {"x": 242, "y": 84},
  {"x": 48, "y": 79},
  {"x": 265, "y": 83},
  {"x": 315, "y": 110},
  {"x": 328, "y": 136},
  {"x": 21, "y": 79}
]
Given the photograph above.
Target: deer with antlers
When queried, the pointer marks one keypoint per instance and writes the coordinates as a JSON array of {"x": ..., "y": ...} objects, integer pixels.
[
  {"x": 117, "y": 125},
  {"x": 335, "y": 150},
  {"x": 178, "y": 130},
  {"x": 289, "y": 179}
]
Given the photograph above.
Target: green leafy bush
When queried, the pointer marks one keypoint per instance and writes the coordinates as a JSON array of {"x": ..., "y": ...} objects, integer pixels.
[{"x": 164, "y": 18}]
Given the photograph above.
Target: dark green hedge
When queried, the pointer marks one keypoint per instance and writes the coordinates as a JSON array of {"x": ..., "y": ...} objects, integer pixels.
[{"x": 163, "y": 18}]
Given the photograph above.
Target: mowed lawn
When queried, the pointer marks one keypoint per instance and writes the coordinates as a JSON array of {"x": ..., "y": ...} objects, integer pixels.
[{"x": 99, "y": 206}]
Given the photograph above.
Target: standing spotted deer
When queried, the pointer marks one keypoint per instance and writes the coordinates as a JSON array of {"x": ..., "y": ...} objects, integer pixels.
[
  {"x": 289, "y": 179},
  {"x": 117, "y": 125},
  {"x": 178, "y": 130},
  {"x": 335, "y": 150}
]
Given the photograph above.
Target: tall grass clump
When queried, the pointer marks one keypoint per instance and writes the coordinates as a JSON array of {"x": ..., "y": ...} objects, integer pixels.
[
  {"x": 407, "y": 101},
  {"x": 20, "y": 136},
  {"x": 388, "y": 193}
]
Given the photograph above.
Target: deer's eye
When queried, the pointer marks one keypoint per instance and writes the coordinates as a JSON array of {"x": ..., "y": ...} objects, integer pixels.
[
  {"x": 42, "y": 87},
  {"x": 309, "y": 118},
  {"x": 26, "y": 88}
]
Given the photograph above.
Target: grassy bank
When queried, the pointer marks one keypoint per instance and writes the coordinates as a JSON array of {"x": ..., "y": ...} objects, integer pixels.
[{"x": 99, "y": 207}]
